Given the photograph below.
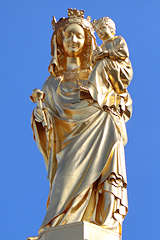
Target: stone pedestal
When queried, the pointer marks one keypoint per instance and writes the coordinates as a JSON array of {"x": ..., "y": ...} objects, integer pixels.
[{"x": 79, "y": 231}]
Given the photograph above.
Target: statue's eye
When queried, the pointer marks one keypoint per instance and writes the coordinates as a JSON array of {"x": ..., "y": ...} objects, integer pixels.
[
  {"x": 79, "y": 35},
  {"x": 67, "y": 34}
]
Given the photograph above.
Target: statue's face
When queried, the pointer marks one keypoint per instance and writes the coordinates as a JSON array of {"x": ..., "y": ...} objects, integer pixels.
[
  {"x": 73, "y": 40},
  {"x": 105, "y": 32}
]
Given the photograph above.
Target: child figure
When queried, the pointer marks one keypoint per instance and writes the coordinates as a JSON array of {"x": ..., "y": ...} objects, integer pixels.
[{"x": 112, "y": 68}]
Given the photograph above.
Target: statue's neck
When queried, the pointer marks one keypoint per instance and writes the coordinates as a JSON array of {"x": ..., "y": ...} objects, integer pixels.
[{"x": 73, "y": 63}]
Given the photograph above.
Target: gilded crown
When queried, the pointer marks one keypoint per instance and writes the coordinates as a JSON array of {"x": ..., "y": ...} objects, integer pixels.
[
  {"x": 75, "y": 13},
  {"x": 74, "y": 16}
]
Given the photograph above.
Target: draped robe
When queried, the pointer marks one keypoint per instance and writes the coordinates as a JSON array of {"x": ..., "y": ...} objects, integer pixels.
[{"x": 83, "y": 150}]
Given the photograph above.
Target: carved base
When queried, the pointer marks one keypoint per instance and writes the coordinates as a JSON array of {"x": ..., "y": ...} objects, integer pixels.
[{"x": 79, "y": 231}]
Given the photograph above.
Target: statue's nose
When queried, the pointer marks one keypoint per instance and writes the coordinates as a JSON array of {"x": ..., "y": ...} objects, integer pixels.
[{"x": 74, "y": 38}]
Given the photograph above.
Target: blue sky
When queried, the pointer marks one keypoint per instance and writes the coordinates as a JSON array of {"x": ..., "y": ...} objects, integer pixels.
[{"x": 25, "y": 54}]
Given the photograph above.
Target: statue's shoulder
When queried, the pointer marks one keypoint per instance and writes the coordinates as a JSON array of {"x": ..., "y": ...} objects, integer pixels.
[
  {"x": 52, "y": 82},
  {"x": 119, "y": 39},
  {"x": 120, "y": 43}
]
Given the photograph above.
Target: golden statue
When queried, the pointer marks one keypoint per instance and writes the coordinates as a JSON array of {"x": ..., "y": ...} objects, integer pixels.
[{"x": 79, "y": 123}]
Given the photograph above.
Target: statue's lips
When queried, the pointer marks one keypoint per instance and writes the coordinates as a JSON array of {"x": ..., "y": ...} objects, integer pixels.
[{"x": 74, "y": 46}]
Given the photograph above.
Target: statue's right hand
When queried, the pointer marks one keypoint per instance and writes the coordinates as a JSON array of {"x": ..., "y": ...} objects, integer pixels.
[
  {"x": 38, "y": 114},
  {"x": 37, "y": 96}
]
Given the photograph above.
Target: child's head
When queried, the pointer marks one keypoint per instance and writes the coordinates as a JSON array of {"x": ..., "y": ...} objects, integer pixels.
[{"x": 105, "y": 28}]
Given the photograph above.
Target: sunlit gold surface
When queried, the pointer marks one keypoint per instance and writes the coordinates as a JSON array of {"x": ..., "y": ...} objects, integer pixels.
[
  {"x": 85, "y": 109},
  {"x": 73, "y": 40}
]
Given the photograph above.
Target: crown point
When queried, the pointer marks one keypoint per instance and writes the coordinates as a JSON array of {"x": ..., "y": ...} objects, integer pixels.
[{"x": 53, "y": 22}]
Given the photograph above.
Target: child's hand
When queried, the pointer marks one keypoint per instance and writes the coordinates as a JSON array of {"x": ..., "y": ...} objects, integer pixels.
[{"x": 100, "y": 56}]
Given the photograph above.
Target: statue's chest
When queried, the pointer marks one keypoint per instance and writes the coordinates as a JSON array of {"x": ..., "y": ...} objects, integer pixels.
[
  {"x": 69, "y": 89},
  {"x": 69, "y": 92}
]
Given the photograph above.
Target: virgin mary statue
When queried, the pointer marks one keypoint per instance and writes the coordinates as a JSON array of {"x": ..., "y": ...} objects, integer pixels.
[{"x": 82, "y": 141}]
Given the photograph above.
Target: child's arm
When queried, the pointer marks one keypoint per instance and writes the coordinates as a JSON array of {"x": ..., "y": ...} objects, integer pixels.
[
  {"x": 119, "y": 49},
  {"x": 120, "y": 74},
  {"x": 102, "y": 55}
]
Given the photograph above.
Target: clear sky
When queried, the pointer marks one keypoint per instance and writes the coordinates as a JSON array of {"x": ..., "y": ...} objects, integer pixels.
[{"x": 25, "y": 35}]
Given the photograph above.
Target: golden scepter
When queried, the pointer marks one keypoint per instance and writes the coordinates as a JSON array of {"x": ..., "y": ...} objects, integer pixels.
[{"x": 38, "y": 97}]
